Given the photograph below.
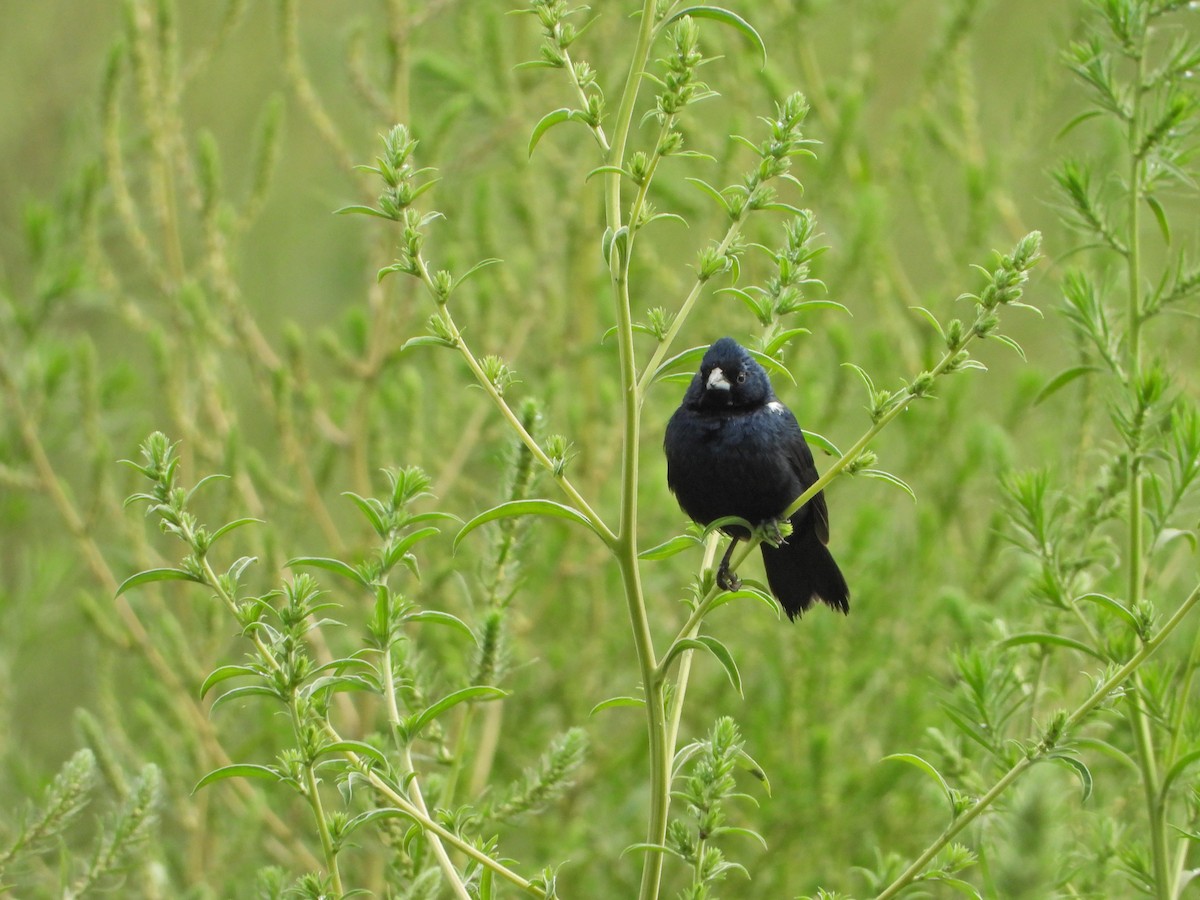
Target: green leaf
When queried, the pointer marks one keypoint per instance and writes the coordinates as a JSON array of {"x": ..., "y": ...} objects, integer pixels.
[
  {"x": 666, "y": 215},
  {"x": 782, "y": 339},
  {"x": 615, "y": 702},
  {"x": 748, "y": 763},
  {"x": 932, "y": 319},
  {"x": 1051, "y": 640},
  {"x": 1161, "y": 216},
  {"x": 239, "y": 566},
  {"x": 548, "y": 121},
  {"x": 371, "y": 509},
  {"x": 771, "y": 364},
  {"x": 862, "y": 373},
  {"x": 889, "y": 478},
  {"x": 1166, "y": 535},
  {"x": 711, "y": 191},
  {"x": 224, "y": 673},
  {"x": 759, "y": 306},
  {"x": 216, "y": 476},
  {"x": 822, "y": 304},
  {"x": 727, "y": 522},
  {"x": 713, "y": 646},
  {"x": 524, "y": 508},
  {"x": 330, "y": 565},
  {"x": 1113, "y": 606},
  {"x": 156, "y": 575},
  {"x": 644, "y": 847},
  {"x": 1190, "y": 835},
  {"x": 357, "y": 747},
  {"x": 249, "y": 690},
  {"x": 365, "y": 818},
  {"x": 822, "y": 443},
  {"x": 725, "y": 658},
  {"x": 238, "y": 770},
  {"x": 395, "y": 552},
  {"x": 1008, "y": 342},
  {"x": 963, "y": 887},
  {"x": 913, "y": 760},
  {"x": 610, "y": 170},
  {"x": 1079, "y": 119},
  {"x": 1079, "y": 768},
  {"x": 1062, "y": 379},
  {"x": 718, "y": 14},
  {"x": 969, "y": 728},
  {"x": 229, "y": 526},
  {"x": 1114, "y": 753},
  {"x": 342, "y": 684},
  {"x": 746, "y": 593},
  {"x": 780, "y": 206},
  {"x": 415, "y": 724},
  {"x": 618, "y": 240},
  {"x": 677, "y": 544},
  {"x": 361, "y": 210},
  {"x": 1177, "y": 768},
  {"x": 482, "y": 264},
  {"x": 437, "y": 617}
]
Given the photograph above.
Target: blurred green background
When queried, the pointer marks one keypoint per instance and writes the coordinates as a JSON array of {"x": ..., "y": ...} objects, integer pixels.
[{"x": 938, "y": 123}]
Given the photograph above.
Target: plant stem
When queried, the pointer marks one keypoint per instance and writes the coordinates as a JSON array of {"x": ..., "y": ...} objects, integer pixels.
[
  {"x": 406, "y": 806},
  {"x": 1114, "y": 681},
  {"x": 408, "y": 772},
  {"x": 313, "y": 794},
  {"x": 1139, "y": 721},
  {"x": 513, "y": 419},
  {"x": 625, "y": 548}
]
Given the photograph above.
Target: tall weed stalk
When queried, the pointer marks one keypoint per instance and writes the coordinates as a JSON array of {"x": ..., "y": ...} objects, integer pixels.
[{"x": 1108, "y": 530}]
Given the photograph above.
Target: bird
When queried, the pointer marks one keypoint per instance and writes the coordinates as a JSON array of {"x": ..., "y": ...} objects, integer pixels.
[{"x": 733, "y": 449}]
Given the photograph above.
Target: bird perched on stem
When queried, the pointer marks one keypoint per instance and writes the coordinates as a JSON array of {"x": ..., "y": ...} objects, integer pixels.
[{"x": 734, "y": 450}]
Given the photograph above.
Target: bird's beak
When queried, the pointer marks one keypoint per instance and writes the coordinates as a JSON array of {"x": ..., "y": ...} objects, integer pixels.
[{"x": 717, "y": 380}]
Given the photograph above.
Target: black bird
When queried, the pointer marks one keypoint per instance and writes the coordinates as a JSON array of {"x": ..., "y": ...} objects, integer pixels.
[{"x": 734, "y": 450}]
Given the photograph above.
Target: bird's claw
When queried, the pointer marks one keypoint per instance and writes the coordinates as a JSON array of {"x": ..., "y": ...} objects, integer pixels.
[
  {"x": 727, "y": 580},
  {"x": 772, "y": 532}
]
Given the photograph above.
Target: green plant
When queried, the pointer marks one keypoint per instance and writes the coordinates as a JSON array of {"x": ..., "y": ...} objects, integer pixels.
[
  {"x": 478, "y": 694},
  {"x": 1102, "y": 537},
  {"x": 662, "y": 690}
]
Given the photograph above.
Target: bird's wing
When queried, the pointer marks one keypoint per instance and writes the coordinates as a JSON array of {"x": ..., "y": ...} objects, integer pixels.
[{"x": 801, "y": 460}]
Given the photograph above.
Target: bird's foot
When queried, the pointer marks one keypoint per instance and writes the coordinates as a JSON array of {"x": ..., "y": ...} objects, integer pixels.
[
  {"x": 727, "y": 580},
  {"x": 775, "y": 531}
]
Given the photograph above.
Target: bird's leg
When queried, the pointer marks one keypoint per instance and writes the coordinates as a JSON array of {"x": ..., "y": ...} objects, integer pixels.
[{"x": 727, "y": 580}]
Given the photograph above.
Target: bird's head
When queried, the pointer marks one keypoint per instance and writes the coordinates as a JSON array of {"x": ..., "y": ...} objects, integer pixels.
[{"x": 729, "y": 378}]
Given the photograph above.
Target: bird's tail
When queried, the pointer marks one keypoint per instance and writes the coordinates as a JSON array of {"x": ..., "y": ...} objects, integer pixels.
[{"x": 802, "y": 570}]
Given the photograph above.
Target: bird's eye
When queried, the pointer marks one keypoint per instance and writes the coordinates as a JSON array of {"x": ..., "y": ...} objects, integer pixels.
[{"x": 741, "y": 377}]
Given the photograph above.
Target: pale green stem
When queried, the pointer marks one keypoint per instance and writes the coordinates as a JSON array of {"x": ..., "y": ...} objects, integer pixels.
[
  {"x": 1140, "y": 723},
  {"x": 404, "y": 805},
  {"x": 597, "y": 130},
  {"x": 313, "y": 794},
  {"x": 625, "y": 548},
  {"x": 514, "y": 420},
  {"x": 1098, "y": 696},
  {"x": 408, "y": 773},
  {"x": 685, "y": 662}
]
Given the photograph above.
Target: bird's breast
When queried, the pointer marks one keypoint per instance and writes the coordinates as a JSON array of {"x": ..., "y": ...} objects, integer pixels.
[{"x": 731, "y": 465}]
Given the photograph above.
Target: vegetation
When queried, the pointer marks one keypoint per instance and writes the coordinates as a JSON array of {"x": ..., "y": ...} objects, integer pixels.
[{"x": 389, "y": 594}]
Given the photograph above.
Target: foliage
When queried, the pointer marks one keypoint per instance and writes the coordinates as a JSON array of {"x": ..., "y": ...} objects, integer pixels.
[{"x": 403, "y": 637}]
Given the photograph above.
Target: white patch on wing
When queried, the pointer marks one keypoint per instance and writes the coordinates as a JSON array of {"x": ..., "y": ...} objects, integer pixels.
[{"x": 776, "y": 407}]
